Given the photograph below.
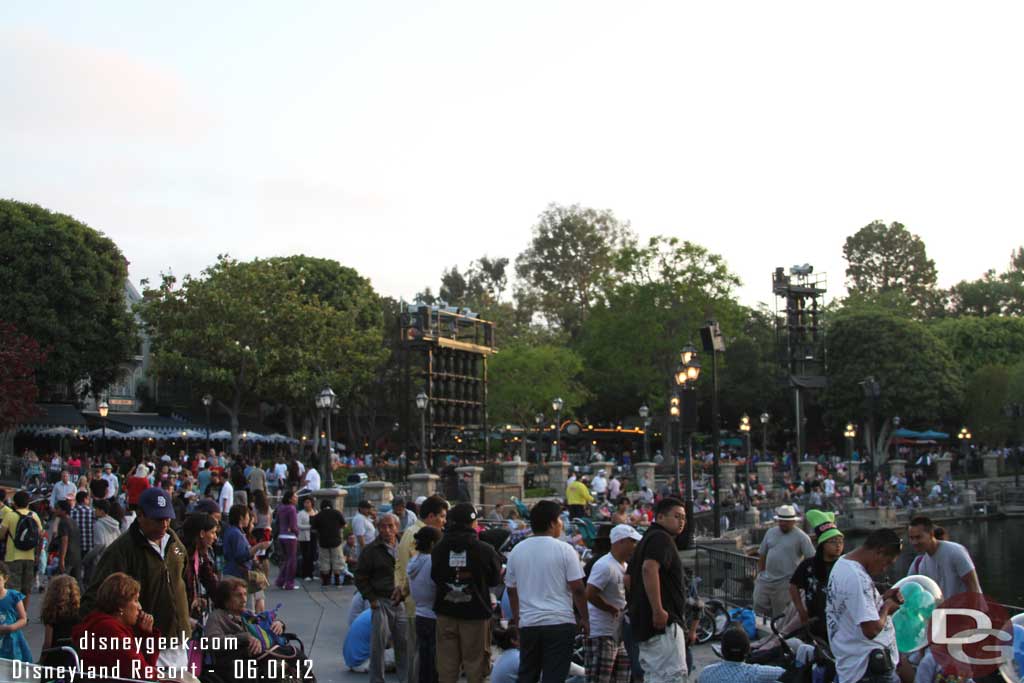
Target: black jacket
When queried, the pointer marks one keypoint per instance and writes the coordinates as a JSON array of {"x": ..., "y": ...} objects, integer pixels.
[
  {"x": 464, "y": 569},
  {"x": 375, "y": 572},
  {"x": 328, "y": 524}
]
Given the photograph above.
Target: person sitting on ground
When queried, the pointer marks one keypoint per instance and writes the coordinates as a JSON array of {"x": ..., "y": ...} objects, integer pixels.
[
  {"x": 59, "y": 615},
  {"x": 117, "y": 614},
  {"x": 735, "y": 647}
]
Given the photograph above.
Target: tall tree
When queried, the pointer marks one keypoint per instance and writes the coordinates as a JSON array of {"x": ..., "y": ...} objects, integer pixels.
[
  {"x": 920, "y": 380},
  {"x": 888, "y": 262},
  {"x": 977, "y": 342},
  {"x": 63, "y": 284},
  {"x": 992, "y": 294},
  {"x": 524, "y": 379},
  {"x": 20, "y": 360},
  {"x": 631, "y": 342},
  {"x": 570, "y": 264},
  {"x": 266, "y": 329},
  {"x": 985, "y": 397}
]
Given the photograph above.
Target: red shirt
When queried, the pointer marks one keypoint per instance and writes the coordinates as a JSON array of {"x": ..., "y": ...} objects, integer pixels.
[
  {"x": 99, "y": 624},
  {"x": 134, "y": 487}
]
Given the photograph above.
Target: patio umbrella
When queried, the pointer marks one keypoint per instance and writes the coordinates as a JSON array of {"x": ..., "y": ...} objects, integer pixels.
[
  {"x": 141, "y": 434},
  {"x": 59, "y": 431},
  {"x": 222, "y": 435}
]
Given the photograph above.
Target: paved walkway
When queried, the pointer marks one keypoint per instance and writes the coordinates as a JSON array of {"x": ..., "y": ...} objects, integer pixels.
[{"x": 319, "y": 616}]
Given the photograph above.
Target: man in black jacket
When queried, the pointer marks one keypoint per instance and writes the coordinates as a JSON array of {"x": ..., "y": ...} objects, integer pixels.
[
  {"x": 328, "y": 525},
  {"x": 464, "y": 568},
  {"x": 375, "y": 581}
]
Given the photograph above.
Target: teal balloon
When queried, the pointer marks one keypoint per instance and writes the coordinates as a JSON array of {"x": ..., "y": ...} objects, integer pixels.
[{"x": 910, "y": 630}]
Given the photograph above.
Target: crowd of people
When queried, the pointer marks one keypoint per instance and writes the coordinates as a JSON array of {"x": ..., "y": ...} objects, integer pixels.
[{"x": 178, "y": 547}]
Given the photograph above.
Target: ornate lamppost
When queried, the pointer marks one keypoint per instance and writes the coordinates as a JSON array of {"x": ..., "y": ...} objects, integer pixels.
[
  {"x": 326, "y": 400},
  {"x": 556, "y": 405}
]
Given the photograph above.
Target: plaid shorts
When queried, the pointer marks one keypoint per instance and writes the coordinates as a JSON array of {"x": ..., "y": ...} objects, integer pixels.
[{"x": 607, "y": 661}]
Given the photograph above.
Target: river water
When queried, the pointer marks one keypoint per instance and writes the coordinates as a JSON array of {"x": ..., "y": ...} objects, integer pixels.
[{"x": 997, "y": 547}]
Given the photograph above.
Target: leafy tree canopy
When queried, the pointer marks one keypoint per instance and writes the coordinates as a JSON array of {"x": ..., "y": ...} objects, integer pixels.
[
  {"x": 570, "y": 264},
  {"x": 977, "y": 342},
  {"x": 885, "y": 259},
  {"x": 20, "y": 360},
  {"x": 274, "y": 329},
  {"x": 992, "y": 294},
  {"x": 523, "y": 380},
  {"x": 920, "y": 378},
  {"x": 63, "y": 284}
]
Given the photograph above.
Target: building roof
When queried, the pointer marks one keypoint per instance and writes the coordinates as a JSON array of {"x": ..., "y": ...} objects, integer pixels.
[
  {"x": 53, "y": 415},
  {"x": 161, "y": 424}
]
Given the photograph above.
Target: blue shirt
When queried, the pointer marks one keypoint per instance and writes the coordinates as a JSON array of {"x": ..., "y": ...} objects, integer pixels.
[
  {"x": 740, "y": 672},
  {"x": 506, "y": 669},
  {"x": 237, "y": 554}
]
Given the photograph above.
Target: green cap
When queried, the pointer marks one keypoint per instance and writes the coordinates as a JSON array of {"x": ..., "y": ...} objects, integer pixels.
[{"x": 823, "y": 524}]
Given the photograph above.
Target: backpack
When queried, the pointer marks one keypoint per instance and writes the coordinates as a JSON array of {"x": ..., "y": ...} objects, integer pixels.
[{"x": 26, "y": 534}]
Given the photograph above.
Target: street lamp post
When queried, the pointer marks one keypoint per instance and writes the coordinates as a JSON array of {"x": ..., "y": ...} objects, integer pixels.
[
  {"x": 538, "y": 419},
  {"x": 207, "y": 402},
  {"x": 745, "y": 428},
  {"x": 104, "y": 410},
  {"x": 714, "y": 343},
  {"x": 644, "y": 412},
  {"x": 422, "y": 401},
  {"x": 965, "y": 447},
  {"x": 686, "y": 375},
  {"x": 850, "y": 434},
  {"x": 674, "y": 411},
  {"x": 325, "y": 401},
  {"x": 1015, "y": 411},
  {"x": 556, "y": 405},
  {"x": 764, "y": 434}
]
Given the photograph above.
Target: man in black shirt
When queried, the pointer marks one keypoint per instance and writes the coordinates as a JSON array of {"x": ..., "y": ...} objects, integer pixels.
[
  {"x": 328, "y": 525},
  {"x": 657, "y": 601}
]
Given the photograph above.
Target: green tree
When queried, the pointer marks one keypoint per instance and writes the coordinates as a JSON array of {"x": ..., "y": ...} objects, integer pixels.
[
  {"x": 524, "y": 379},
  {"x": 977, "y": 342},
  {"x": 570, "y": 264},
  {"x": 985, "y": 399},
  {"x": 631, "y": 342},
  {"x": 63, "y": 284},
  {"x": 265, "y": 329},
  {"x": 992, "y": 294},
  {"x": 919, "y": 377},
  {"x": 890, "y": 264}
]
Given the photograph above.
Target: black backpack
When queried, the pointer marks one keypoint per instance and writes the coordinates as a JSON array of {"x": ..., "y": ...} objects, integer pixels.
[{"x": 26, "y": 534}]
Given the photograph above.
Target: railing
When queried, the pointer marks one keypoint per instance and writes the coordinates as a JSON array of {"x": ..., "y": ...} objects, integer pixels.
[{"x": 726, "y": 575}]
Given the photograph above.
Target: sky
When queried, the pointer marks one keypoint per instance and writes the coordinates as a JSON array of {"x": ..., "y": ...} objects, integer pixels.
[{"x": 404, "y": 137}]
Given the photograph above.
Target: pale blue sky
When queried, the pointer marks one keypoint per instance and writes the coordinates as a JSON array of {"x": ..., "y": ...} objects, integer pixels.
[{"x": 403, "y": 137}]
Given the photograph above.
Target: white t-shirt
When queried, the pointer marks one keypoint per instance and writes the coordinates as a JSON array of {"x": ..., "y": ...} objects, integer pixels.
[
  {"x": 851, "y": 600},
  {"x": 607, "y": 575},
  {"x": 312, "y": 479},
  {"x": 950, "y": 562},
  {"x": 226, "y": 498},
  {"x": 362, "y": 527},
  {"x": 600, "y": 485},
  {"x": 281, "y": 470},
  {"x": 540, "y": 568},
  {"x": 830, "y": 487}
]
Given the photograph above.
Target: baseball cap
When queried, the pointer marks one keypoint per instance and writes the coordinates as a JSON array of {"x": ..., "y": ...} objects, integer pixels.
[
  {"x": 207, "y": 506},
  {"x": 621, "y": 532},
  {"x": 463, "y": 513},
  {"x": 156, "y": 504},
  {"x": 735, "y": 644}
]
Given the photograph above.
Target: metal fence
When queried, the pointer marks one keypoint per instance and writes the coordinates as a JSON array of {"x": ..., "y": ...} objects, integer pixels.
[{"x": 726, "y": 575}]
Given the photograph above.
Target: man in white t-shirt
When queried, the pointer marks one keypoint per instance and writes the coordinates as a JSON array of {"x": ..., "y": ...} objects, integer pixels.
[
  {"x": 599, "y": 485},
  {"x": 614, "y": 488},
  {"x": 607, "y": 659},
  {"x": 226, "y": 497},
  {"x": 363, "y": 525},
  {"x": 312, "y": 479},
  {"x": 545, "y": 579},
  {"x": 860, "y": 630},
  {"x": 830, "y": 487},
  {"x": 947, "y": 563}
]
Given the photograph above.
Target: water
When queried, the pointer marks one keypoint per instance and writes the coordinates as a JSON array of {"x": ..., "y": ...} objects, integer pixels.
[{"x": 997, "y": 547}]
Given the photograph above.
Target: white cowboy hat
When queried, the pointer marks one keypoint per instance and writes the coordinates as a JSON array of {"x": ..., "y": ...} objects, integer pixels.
[{"x": 786, "y": 513}]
